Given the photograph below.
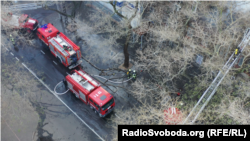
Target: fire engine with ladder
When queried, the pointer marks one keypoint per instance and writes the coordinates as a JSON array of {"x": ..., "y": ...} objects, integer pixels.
[
  {"x": 67, "y": 52},
  {"x": 90, "y": 92}
]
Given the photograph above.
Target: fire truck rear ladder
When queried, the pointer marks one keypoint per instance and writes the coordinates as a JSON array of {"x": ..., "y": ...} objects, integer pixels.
[{"x": 207, "y": 95}]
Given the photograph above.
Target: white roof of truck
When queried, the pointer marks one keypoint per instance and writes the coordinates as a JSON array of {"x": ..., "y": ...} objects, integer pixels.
[
  {"x": 84, "y": 82},
  {"x": 62, "y": 42}
]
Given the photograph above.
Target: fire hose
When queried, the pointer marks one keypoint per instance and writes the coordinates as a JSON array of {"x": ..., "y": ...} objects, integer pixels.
[
  {"x": 60, "y": 93},
  {"x": 110, "y": 80},
  {"x": 91, "y": 75}
]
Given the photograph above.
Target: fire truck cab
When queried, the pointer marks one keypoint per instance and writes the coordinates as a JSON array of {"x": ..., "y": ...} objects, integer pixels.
[
  {"x": 90, "y": 92},
  {"x": 61, "y": 46}
]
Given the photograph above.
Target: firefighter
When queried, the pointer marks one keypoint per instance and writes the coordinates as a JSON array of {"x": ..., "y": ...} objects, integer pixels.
[
  {"x": 134, "y": 76},
  {"x": 129, "y": 73},
  {"x": 12, "y": 40},
  {"x": 65, "y": 83},
  {"x": 74, "y": 60},
  {"x": 179, "y": 93},
  {"x": 236, "y": 53},
  {"x": 65, "y": 47}
]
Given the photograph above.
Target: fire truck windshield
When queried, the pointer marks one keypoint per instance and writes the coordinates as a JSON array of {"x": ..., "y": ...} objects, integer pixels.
[{"x": 104, "y": 107}]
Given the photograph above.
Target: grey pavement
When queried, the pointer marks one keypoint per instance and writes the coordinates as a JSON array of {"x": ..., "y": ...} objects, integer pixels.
[{"x": 97, "y": 4}]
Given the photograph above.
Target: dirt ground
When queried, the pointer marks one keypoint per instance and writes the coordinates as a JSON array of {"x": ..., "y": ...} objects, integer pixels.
[{"x": 19, "y": 118}]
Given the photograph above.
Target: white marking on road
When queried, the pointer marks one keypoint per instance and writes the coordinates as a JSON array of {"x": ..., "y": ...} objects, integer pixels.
[
  {"x": 6, "y": 48},
  {"x": 17, "y": 58},
  {"x": 55, "y": 62},
  {"x": 42, "y": 52},
  {"x": 11, "y": 53},
  {"x": 62, "y": 101}
]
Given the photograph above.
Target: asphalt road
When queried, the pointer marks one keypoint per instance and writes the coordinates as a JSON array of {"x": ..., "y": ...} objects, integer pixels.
[{"x": 39, "y": 59}]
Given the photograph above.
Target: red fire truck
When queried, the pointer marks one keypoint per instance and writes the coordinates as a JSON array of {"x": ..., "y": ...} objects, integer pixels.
[
  {"x": 24, "y": 22},
  {"x": 61, "y": 46},
  {"x": 90, "y": 92}
]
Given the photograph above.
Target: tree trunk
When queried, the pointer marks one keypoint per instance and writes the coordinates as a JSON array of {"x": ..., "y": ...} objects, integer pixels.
[{"x": 125, "y": 49}]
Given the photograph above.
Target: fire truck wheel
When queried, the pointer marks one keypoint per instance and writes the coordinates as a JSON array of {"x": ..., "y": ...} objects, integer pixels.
[{"x": 100, "y": 115}]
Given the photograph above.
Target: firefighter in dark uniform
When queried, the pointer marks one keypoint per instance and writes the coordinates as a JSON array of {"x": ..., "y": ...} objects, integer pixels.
[
  {"x": 65, "y": 83},
  {"x": 74, "y": 60},
  {"x": 65, "y": 47},
  {"x": 129, "y": 72},
  {"x": 134, "y": 75},
  {"x": 12, "y": 40}
]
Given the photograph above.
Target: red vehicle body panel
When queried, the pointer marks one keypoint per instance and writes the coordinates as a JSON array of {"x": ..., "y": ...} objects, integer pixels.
[
  {"x": 96, "y": 94},
  {"x": 45, "y": 35},
  {"x": 29, "y": 24}
]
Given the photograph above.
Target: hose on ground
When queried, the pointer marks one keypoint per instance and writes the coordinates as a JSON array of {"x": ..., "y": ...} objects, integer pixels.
[
  {"x": 110, "y": 80},
  {"x": 115, "y": 78},
  {"x": 110, "y": 69},
  {"x": 60, "y": 93}
]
